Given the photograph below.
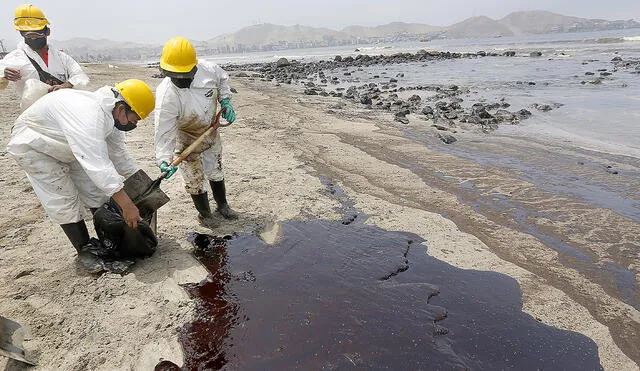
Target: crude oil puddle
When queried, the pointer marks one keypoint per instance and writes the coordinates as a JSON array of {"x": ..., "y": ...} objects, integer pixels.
[{"x": 342, "y": 295}]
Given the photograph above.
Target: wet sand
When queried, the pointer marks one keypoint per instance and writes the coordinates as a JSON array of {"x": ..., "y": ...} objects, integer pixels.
[{"x": 574, "y": 258}]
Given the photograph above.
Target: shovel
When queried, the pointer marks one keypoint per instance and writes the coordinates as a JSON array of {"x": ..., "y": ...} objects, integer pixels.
[
  {"x": 153, "y": 198},
  {"x": 10, "y": 342}
]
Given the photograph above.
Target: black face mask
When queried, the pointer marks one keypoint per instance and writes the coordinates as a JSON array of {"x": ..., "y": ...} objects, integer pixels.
[
  {"x": 181, "y": 83},
  {"x": 36, "y": 44},
  {"x": 124, "y": 127}
]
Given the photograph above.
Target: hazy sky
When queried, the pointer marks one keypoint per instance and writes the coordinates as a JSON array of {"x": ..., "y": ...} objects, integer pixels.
[{"x": 159, "y": 20}]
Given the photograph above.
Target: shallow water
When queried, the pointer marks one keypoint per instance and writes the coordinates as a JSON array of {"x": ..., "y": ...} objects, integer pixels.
[{"x": 602, "y": 117}]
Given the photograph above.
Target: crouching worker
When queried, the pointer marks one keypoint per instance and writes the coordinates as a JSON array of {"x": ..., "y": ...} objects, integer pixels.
[
  {"x": 186, "y": 100},
  {"x": 71, "y": 144}
]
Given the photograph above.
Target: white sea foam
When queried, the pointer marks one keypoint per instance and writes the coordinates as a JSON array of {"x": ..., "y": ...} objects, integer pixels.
[{"x": 618, "y": 39}]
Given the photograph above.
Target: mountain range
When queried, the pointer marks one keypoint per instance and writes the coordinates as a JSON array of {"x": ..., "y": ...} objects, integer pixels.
[
  {"x": 262, "y": 37},
  {"x": 268, "y": 36}
]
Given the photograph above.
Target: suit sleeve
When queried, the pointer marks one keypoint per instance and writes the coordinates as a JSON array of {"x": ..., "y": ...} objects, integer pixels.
[
  {"x": 122, "y": 160},
  {"x": 224, "y": 91},
  {"x": 165, "y": 120},
  {"x": 77, "y": 77}
]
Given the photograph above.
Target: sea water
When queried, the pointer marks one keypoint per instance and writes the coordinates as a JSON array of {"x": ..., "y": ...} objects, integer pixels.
[{"x": 602, "y": 117}]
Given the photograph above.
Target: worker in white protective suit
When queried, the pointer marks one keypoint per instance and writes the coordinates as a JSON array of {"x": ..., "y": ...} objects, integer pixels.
[
  {"x": 71, "y": 144},
  {"x": 34, "y": 59},
  {"x": 186, "y": 101}
]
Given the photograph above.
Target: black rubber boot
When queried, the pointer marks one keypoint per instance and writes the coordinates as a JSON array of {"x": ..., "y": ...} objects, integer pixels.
[
  {"x": 201, "y": 202},
  {"x": 78, "y": 234},
  {"x": 220, "y": 195}
]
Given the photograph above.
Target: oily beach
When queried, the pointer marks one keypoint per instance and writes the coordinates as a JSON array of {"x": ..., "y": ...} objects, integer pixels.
[{"x": 574, "y": 260}]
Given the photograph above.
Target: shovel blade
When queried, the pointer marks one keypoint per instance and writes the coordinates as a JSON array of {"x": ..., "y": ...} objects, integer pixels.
[
  {"x": 11, "y": 342},
  {"x": 145, "y": 193}
]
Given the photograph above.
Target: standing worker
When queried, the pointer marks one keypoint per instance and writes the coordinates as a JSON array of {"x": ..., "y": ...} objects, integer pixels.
[
  {"x": 186, "y": 101},
  {"x": 71, "y": 144},
  {"x": 34, "y": 59}
]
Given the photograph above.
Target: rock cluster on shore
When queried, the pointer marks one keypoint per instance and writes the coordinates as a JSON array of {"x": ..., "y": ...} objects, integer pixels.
[
  {"x": 619, "y": 64},
  {"x": 441, "y": 106}
]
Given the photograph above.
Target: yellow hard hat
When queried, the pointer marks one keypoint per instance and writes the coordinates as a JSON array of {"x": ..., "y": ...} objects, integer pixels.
[
  {"x": 178, "y": 55},
  {"x": 29, "y": 18},
  {"x": 138, "y": 95}
]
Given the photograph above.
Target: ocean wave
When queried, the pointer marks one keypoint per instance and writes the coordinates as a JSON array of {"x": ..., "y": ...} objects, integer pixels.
[
  {"x": 561, "y": 40},
  {"x": 607, "y": 40},
  {"x": 375, "y": 47},
  {"x": 290, "y": 56}
]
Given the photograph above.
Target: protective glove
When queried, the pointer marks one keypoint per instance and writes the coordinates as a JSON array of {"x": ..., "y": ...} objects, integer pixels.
[
  {"x": 229, "y": 114},
  {"x": 170, "y": 169}
]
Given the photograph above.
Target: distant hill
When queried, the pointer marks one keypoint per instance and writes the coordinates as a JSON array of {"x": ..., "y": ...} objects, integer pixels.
[
  {"x": 477, "y": 27},
  {"x": 390, "y": 29},
  {"x": 537, "y": 22},
  {"x": 272, "y": 37},
  {"x": 91, "y": 50},
  {"x": 530, "y": 22},
  {"x": 275, "y": 37},
  {"x": 98, "y": 44},
  {"x": 540, "y": 22}
]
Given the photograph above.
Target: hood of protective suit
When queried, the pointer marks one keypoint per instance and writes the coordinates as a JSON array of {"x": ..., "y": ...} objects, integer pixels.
[{"x": 107, "y": 99}]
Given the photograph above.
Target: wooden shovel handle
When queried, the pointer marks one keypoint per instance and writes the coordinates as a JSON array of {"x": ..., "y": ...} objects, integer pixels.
[{"x": 196, "y": 143}]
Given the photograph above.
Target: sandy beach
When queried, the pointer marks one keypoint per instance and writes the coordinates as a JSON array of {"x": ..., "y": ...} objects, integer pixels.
[{"x": 276, "y": 157}]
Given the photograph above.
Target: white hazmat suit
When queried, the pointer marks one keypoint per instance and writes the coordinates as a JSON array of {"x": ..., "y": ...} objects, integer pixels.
[
  {"x": 60, "y": 65},
  {"x": 67, "y": 144},
  {"x": 181, "y": 115}
]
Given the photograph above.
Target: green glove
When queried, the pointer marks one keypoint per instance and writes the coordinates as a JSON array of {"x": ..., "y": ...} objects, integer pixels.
[
  {"x": 170, "y": 169},
  {"x": 229, "y": 114}
]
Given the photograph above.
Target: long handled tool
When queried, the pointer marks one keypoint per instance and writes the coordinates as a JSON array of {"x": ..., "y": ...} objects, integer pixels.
[{"x": 147, "y": 202}]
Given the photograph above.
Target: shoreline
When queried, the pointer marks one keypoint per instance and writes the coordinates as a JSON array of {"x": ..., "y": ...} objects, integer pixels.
[
  {"x": 274, "y": 158},
  {"x": 395, "y": 83}
]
